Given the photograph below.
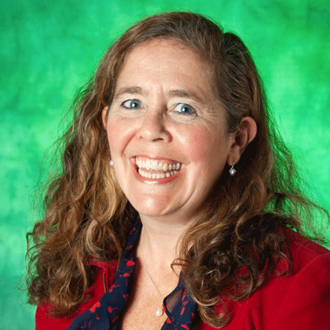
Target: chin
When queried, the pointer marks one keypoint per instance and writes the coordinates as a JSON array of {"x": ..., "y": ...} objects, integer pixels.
[{"x": 153, "y": 207}]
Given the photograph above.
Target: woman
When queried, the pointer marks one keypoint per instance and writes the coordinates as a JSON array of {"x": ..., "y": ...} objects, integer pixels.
[{"x": 177, "y": 200}]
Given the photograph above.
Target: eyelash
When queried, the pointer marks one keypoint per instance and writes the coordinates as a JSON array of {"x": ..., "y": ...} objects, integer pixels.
[
  {"x": 136, "y": 104},
  {"x": 191, "y": 110},
  {"x": 130, "y": 102}
]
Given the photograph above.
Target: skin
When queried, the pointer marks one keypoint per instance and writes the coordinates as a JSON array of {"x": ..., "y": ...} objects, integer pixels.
[{"x": 164, "y": 109}]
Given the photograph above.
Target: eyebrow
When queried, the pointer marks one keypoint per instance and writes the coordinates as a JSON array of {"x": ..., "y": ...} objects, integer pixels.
[
  {"x": 129, "y": 90},
  {"x": 187, "y": 94},
  {"x": 172, "y": 93}
]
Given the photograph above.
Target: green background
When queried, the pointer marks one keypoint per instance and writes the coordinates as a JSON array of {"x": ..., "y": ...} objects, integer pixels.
[{"x": 51, "y": 48}]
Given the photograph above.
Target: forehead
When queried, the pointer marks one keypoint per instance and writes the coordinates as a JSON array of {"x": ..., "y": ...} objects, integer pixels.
[
  {"x": 166, "y": 59},
  {"x": 172, "y": 45}
]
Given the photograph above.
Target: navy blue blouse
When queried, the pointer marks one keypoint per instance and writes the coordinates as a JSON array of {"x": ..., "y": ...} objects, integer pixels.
[{"x": 106, "y": 313}]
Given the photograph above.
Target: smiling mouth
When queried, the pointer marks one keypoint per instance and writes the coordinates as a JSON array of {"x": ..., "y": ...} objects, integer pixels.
[{"x": 156, "y": 169}]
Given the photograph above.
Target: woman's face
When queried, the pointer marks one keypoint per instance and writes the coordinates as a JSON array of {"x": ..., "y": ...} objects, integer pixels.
[{"x": 166, "y": 130}]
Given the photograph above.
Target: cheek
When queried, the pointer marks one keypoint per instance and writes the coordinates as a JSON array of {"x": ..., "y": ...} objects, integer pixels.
[
  {"x": 112, "y": 132},
  {"x": 118, "y": 134},
  {"x": 205, "y": 146}
]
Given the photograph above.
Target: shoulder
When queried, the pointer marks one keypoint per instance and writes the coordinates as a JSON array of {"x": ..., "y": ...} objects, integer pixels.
[
  {"x": 304, "y": 251},
  {"x": 303, "y": 298},
  {"x": 300, "y": 300},
  {"x": 103, "y": 281}
]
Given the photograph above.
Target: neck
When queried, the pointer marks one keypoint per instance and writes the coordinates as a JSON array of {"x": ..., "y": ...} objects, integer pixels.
[
  {"x": 156, "y": 251},
  {"x": 160, "y": 240}
]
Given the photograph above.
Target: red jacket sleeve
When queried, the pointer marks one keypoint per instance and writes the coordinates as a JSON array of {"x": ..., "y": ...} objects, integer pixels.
[
  {"x": 299, "y": 301},
  {"x": 307, "y": 301},
  {"x": 44, "y": 322},
  {"x": 102, "y": 283}
]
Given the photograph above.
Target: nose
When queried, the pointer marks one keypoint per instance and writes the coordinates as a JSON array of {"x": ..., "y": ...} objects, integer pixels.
[{"x": 153, "y": 127}]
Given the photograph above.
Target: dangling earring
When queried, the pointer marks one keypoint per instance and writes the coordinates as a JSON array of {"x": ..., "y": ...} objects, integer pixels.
[
  {"x": 232, "y": 170},
  {"x": 111, "y": 162}
]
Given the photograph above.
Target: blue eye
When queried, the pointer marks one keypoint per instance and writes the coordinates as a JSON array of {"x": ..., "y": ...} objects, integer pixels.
[
  {"x": 185, "y": 109},
  {"x": 131, "y": 104}
]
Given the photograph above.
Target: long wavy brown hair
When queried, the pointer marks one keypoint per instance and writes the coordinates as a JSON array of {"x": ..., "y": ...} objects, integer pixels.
[{"x": 87, "y": 215}]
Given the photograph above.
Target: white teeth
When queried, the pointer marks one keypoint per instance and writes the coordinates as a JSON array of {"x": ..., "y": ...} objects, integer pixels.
[
  {"x": 155, "y": 165},
  {"x": 149, "y": 175}
]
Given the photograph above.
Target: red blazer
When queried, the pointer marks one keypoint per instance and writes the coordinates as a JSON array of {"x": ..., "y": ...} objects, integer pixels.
[{"x": 300, "y": 301}]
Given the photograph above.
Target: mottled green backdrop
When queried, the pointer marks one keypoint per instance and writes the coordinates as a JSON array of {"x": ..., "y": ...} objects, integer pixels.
[{"x": 50, "y": 48}]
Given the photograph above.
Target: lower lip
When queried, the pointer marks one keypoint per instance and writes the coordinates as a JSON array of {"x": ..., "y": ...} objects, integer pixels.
[{"x": 154, "y": 181}]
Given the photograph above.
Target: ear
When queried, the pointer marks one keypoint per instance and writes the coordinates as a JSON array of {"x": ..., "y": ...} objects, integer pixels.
[
  {"x": 245, "y": 133},
  {"x": 105, "y": 116}
]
